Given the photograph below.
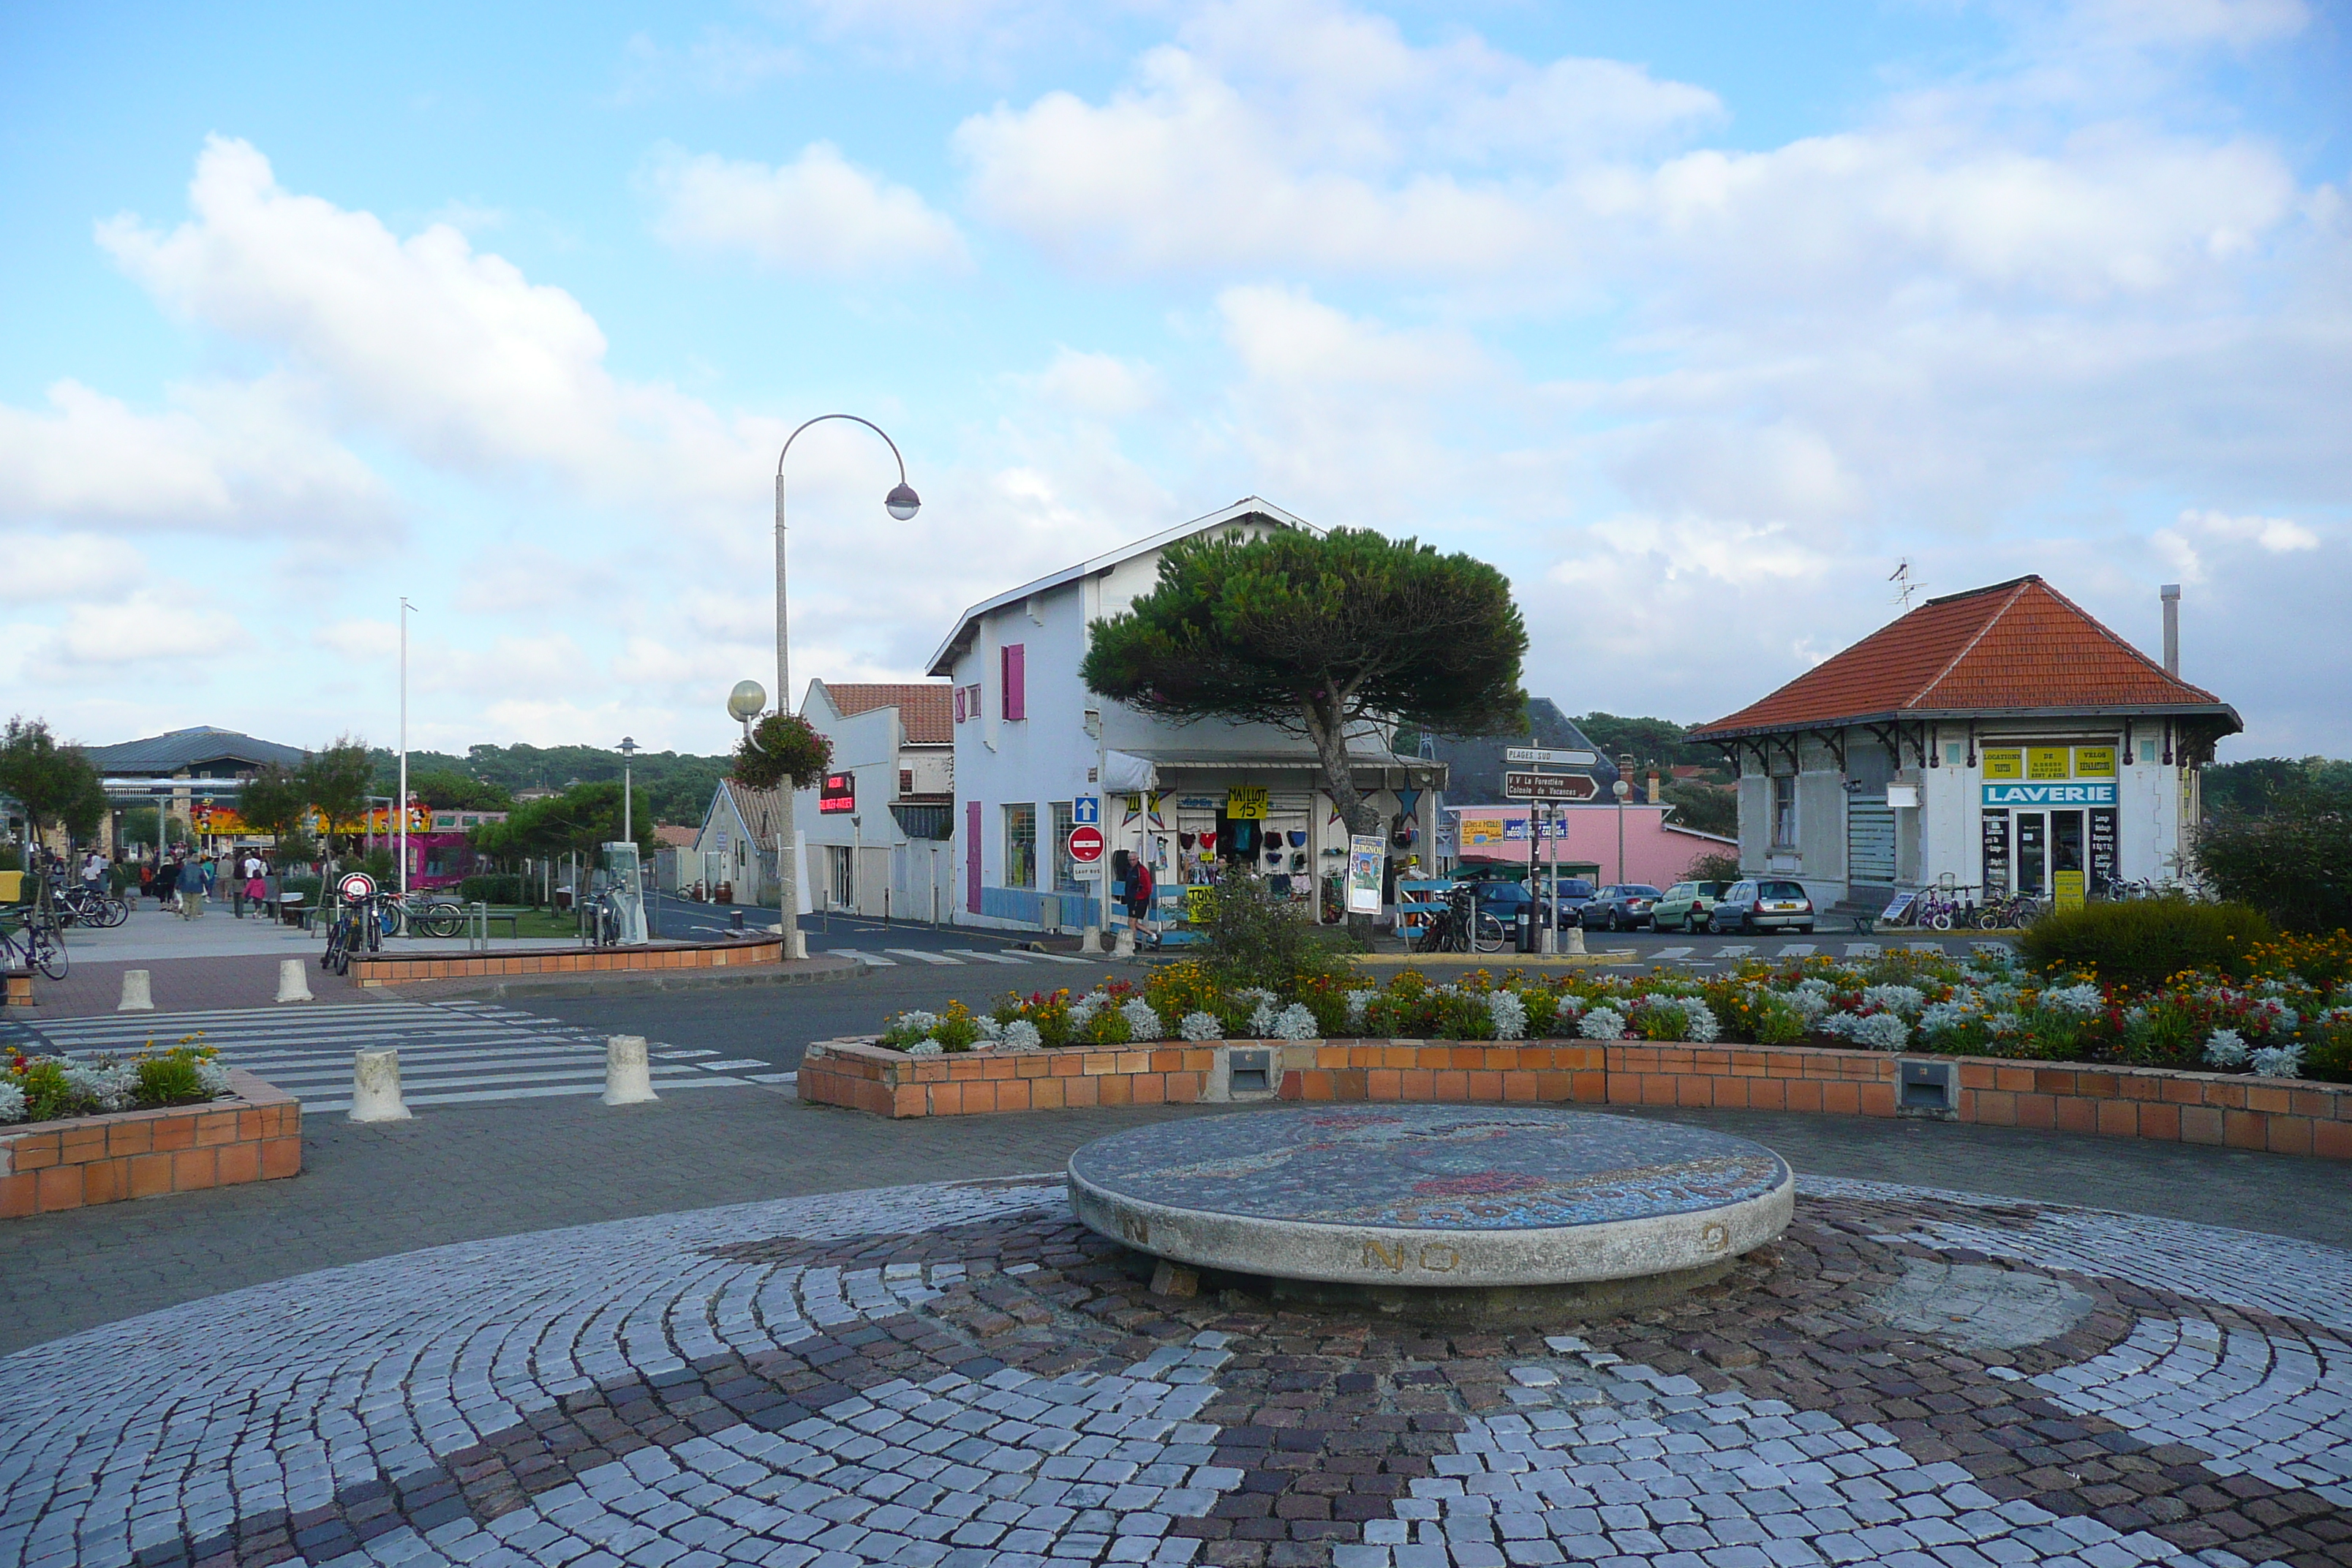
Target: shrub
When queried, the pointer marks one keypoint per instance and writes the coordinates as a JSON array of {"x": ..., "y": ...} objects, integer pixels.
[
  {"x": 2294, "y": 864},
  {"x": 504, "y": 888},
  {"x": 1256, "y": 937},
  {"x": 2145, "y": 942}
]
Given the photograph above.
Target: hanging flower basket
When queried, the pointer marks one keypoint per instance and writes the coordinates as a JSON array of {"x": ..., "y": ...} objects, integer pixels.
[{"x": 782, "y": 746}]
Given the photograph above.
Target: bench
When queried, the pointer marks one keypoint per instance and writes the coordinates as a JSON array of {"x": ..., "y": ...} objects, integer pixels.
[{"x": 290, "y": 909}]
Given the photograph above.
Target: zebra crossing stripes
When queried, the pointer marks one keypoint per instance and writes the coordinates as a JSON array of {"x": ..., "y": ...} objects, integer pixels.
[
  {"x": 919, "y": 956},
  {"x": 1863, "y": 949},
  {"x": 1737, "y": 950},
  {"x": 954, "y": 956},
  {"x": 981, "y": 955},
  {"x": 451, "y": 1052},
  {"x": 1798, "y": 949},
  {"x": 876, "y": 960},
  {"x": 1670, "y": 953}
]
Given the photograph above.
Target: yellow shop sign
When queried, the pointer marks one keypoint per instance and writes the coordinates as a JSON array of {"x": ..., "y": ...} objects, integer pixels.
[{"x": 1245, "y": 802}]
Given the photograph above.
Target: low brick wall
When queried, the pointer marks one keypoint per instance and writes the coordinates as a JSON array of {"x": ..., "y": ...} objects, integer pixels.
[
  {"x": 51, "y": 1165},
  {"x": 396, "y": 969},
  {"x": 17, "y": 988},
  {"x": 2282, "y": 1116}
]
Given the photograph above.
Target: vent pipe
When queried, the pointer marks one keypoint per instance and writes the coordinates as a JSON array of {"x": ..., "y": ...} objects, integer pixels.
[{"x": 2171, "y": 592}]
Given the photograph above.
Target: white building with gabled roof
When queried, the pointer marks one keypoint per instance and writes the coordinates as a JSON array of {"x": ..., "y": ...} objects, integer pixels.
[{"x": 1032, "y": 743}]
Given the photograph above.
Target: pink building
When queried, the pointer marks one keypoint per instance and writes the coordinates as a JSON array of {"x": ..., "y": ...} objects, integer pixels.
[{"x": 1656, "y": 851}]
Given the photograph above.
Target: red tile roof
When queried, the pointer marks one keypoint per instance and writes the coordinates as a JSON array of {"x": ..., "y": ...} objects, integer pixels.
[
  {"x": 2017, "y": 647},
  {"x": 923, "y": 706}
]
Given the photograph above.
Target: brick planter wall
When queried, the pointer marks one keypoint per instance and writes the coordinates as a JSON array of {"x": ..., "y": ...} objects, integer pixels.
[
  {"x": 50, "y": 1166},
  {"x": 395, "y": 971},
  {"x": 2282, "y": 1116}
]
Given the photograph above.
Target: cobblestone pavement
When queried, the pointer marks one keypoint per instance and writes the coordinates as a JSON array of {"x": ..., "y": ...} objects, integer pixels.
[{"x": 956, "y": 1375}]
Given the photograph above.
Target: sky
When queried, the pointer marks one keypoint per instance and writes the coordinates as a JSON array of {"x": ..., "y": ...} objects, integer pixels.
[{"x": 1697, "y": 321}]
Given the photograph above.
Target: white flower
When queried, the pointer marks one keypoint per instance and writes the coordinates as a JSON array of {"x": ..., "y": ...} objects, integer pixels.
[
  {"x": 1084, "y": 1007},
  {"x": 1020, "y": 1034},
  {"x": 926, "y": 1049},
  {"x": 1699, "y": 1025},
  {"x": 103, "y": 1082},
  {"x": 1510, "y": 1014},
  {"x": 2225, "y": 1048},
  {"x": 1200, "y": 1026},
  {"x": 1940, "y": 1016},
  {"x": 1809, "y": 1004},
  {"x": 1296, "y": 1022},
  {"x": 2278, "y": 1061},
  {"x": 211, "y": 1077},
  {"x": 12, "y": 1103},
  {"x": 1357, "y": 1001},
  {"x": 1875, "y": 1031},
  {"x": 1143, "y": 1023},
  {"x": 1906, "y": 1000},
  {"x": 1602, "y": 1023},
  {"x": 1261, "y": 1020},
  {"x": 2083, "y": 1001},
  {"x": 1570, "y": 1005},
  {"x": 990, "y": 1029}
]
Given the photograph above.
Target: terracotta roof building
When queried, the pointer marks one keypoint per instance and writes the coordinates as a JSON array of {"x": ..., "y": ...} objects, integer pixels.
[{"x": 2001, "y": 739}]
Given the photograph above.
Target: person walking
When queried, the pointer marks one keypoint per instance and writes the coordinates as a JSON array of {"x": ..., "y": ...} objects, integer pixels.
[
  {"x": 167, "y": 884},
  {"x": 93, "y": 871},
  {"x": 192, "y": 888},
  {"x": 257, "y": 887}
]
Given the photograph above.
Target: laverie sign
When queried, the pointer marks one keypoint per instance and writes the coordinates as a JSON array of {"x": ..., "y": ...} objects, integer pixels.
[{"x": 2095, "y": 793}]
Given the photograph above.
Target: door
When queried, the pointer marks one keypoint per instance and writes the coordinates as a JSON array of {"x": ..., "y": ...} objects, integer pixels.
[
  {"x": 1869, "y": 842},
  {"x": 2033, "y": 853}
]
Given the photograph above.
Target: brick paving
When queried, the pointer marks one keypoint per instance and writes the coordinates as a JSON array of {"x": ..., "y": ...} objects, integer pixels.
[{"x": 957, "y": 1374}]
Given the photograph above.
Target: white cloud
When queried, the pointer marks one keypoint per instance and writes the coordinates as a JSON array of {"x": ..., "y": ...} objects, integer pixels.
[
  {"x": 2233, "y": 24},
  {"x": 1094, "y": 386},
  {"x": 2276, "y": 534},
  {"x": 816, "y": 214},
  {"x": 175, "y": 625}
]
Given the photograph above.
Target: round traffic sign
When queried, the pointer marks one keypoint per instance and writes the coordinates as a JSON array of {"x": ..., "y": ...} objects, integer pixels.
[
  {"x": 356, "y": 885},
  {"x": 1086, "y": 845}
]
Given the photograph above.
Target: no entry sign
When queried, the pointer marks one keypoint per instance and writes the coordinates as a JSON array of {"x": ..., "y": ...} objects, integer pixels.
[{"x": 1086, "y": 845}]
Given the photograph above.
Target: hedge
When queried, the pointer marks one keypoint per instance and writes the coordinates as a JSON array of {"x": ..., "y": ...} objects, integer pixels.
[{"x": 2146, "y": 941}]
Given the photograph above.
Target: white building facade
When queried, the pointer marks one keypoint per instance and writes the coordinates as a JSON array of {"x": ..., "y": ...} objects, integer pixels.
[
  {"x": 878, "y": 828},
  {"x": 2002, "y": 740},
  {"x": 1034, "y": 752}
]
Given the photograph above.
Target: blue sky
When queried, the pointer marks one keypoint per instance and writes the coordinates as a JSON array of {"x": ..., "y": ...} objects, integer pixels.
[{"x": 1695, "y": 319}]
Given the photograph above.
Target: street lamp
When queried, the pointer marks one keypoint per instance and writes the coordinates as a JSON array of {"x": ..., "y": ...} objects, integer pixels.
[
  {"x": 627, "y": 748},
  {"x": 1621, "y": 789},
  {"x": 902, "y": 503}
]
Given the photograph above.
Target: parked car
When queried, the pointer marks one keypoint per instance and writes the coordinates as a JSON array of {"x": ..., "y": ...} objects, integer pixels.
[
  {"x": 1575, "y": 892},
  {"x": 1772, "y": 905},
  {"x": 1684, "y": 906},
  {"x": 1504, "y": 898},
  {"x": 1621, "y": 906}
]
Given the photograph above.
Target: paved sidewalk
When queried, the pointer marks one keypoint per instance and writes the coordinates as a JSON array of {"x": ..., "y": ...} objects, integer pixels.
[
  {"x": 461, "y": 1173},
  {"x": 958, "y": 1376}
]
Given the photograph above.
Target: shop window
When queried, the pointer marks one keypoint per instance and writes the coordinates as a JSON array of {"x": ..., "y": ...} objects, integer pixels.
[
  {"x": 1784, "y": 811},
  {"x": 2147, "y": 753},
  {"x": 1066, "y": 870},
  {"x": 1953, "y": 755},
  {"x": 1020, "y": 845}
]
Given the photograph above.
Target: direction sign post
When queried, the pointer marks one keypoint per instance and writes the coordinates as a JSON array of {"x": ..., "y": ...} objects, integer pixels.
[{"x": 1517, "y": 786}]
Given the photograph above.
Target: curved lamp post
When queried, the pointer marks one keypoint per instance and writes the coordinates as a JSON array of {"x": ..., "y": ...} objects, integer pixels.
[{"x": 902, "y": 503}]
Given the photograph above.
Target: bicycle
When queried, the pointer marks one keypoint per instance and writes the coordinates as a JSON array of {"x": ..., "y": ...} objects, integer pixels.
[
  {"x": 2014, "y": 912},
  {"x": 420, "y": 914},
  {"x": 38, "y": 947},
  {"x": 1462, "y": 927},
  {"x": 75, "y": 902},
  {"x": 358, "y": 923}
]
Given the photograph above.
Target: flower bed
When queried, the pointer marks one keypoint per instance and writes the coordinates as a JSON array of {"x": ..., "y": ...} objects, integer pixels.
[
  {"x": 2287, "y": 1014},
  {"x": 56, "y": 1089},
  {"x": 253, "y": 1133}
]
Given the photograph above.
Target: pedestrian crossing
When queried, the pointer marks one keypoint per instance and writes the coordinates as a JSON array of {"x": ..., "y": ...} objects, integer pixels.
[
  {"x": 1733, "y": 951},
  {"x": 451, "y": 1052},
  {"x": 948, "y": 958}
]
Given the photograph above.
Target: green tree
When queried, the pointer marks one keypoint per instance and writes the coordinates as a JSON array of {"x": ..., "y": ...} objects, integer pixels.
[
  {"x": 1704, "y": 808},
  {"x": 577, "y": 821},
  {"x": 274, "y": 800},
  {"x": 56, "y": 783},
  {"x": 1321, "y": 637},
  {"x": 447, "y": 789},
  {"x": 2292, "y": 862},
  {"x": 2260, "y": 787},
  {"x": 336, "y": 781}
]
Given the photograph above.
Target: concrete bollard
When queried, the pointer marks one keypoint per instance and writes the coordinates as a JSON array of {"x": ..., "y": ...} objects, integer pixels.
[
  {"x": 1124, "y": 947},
  {"x": 1575, "y": 942},
  {"x": 629, "y": 1078},
  {"x": 1092, "y": 942},
  {"x": 375, "y": 1086},
  {"x": 136, "y": 996},
  {"x": 294, "y": 981}
]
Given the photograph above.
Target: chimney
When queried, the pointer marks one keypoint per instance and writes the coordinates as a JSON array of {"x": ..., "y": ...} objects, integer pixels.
[
  {"x": 2171, "y": 592},
  {"x": 1653, "y": 786}
]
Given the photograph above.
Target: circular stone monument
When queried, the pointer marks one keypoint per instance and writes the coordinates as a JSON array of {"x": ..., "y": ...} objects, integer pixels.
[{"x": 1439, "y": 1208}]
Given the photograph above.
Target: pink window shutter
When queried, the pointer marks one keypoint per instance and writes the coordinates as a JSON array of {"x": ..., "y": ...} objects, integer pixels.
[
  {"x": 972, "y": 855},
  {"x": 1017, "y": 680},
  {"x": 958, "y": 704}
]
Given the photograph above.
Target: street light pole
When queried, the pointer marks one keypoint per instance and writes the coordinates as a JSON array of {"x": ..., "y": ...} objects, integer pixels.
[
  {"x": 902, "y": 503},
  {"x": 1621, "y": 789},
  {"x": 407, "y": 610}
]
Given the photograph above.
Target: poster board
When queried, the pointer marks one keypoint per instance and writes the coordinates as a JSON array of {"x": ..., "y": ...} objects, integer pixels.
[
  {"x": 2066, "y": 891},
  {"x": 1367, "y": 859}
]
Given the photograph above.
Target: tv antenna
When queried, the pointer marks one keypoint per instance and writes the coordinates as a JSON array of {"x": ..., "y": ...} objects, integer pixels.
[{"x": 1906, "y": 586}]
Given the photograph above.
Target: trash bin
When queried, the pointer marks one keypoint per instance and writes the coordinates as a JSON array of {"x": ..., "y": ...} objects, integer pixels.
[{"x": 1527, "y": 924}]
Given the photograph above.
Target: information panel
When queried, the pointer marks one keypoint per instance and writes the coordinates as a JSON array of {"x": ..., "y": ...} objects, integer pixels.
[
  {"x": 2103, "y": 849},
  {"x": 1996, "y": 854}
]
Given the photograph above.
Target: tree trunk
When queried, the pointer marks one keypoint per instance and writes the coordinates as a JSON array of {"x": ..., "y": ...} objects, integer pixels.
[{"x": 1328, "y": 729}]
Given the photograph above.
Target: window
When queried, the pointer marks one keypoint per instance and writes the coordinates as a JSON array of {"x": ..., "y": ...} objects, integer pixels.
[
  {"x": 1015, "y": 657},
  {"x": 1066, "y": 870},
  {"x": 906, "y": 781},
  {"x": 1020, "y": 845},
  {"x": 2147, "y": 752},
  {"x": 1784, "y": 811},
  {"x": 960, "y": 708},
  {"x": 1952, "y": 754},
  {"x": 842, "y": 877}
]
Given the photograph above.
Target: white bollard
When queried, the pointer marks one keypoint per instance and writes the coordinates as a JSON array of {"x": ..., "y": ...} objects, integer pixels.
[
  {"x": 136, "y": 997},
  {"x": 1092, "y": 942},
  {"x": 1576, "y": 941},
  {"x": 375, "y": 1086},
  {"x": 628, "y": 1079},
  {"x": 1124, "y": 947},
  {"x": 294, "y": 981}
]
